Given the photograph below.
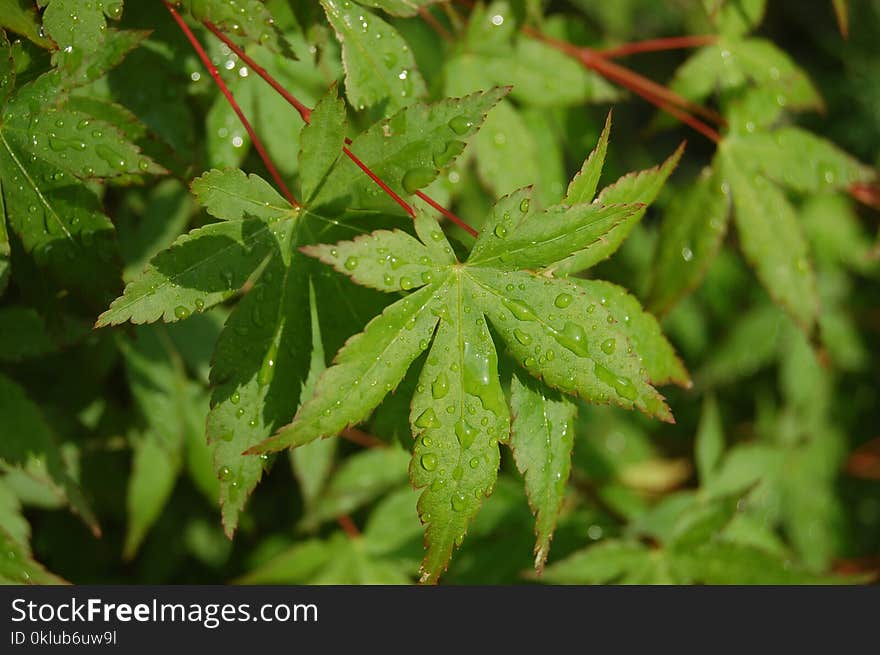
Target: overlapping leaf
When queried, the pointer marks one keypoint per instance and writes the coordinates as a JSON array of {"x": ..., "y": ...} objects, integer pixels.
[
  {"x": 379, "y": 66},
  {"x": 770, "y": 233},
  {"x": 28, "y": 444},
  {"x": 509, "y": 154},
  {"x": 398, "y": 7},
  {"x": 737, "y": 60},
  {"x": 630, "y": 195},
  {"x": 78, "y": 27},
  {"x": 693, "y": 229},
  {"x": 250, "y": 19},
  {"x": 173, "y": 407},
  {"x": 46, "y": 149}
]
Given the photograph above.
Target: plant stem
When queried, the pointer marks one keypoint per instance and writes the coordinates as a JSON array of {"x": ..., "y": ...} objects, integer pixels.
[
  {"x": 215, "y": 74},
  {"x": 867, "y": 194},
  {"x": 361, "y": 438},
  {"x": 348, "y": 526},
  {"x": 643, "y": 86},
  {"x": 378, "y": 180},
  {"x": 656, "y": 94},
  {"x": 306, "y": 113},
  {"x": 657, "y": 45},
  {"x": 435, "y": 24}
]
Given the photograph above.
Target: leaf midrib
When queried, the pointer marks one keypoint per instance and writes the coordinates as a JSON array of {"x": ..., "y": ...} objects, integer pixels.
[
  {"x": 36, "y": 189},
  {"x": 365, "y": 54}
]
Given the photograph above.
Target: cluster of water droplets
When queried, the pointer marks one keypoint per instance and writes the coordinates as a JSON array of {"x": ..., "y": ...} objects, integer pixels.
[
  {"x": 370, "y": 28},
  {"x": 247, "y": 18},
  {"x": 392, "y": 262},
  {"x": 71, "y": 138},
  {"x": 419, "y": 177},
  {"x": 481, "y": 409},
  {"x": 571, "y": 335}
]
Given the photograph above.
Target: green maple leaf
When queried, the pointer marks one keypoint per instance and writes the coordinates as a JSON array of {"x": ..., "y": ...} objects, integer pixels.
[
  {"x": 398, "y": 7},
  {"x": 262, "y": 355},
  {"x": 21, "y": 16},
  {"x": 19, "y": 566},
  {"x": 5, "y": 264},
  {"x": 690, "y": 237},
  {"x": 29, "y": 445},
  {"x": 48, "y": 148},
  {"x": 510, "y": 150},
  {"x": 248, "y": 19},
  {"x": 542, "y": 438},
  {"x": 736, "y": 60},
  {"x": 757, "y": 165},
  {"x": 581, "y": 338},
  {"x": 173, "y": 407},
  {"x": 379, "y": 65},
  {"x": 78, "y": 27}
]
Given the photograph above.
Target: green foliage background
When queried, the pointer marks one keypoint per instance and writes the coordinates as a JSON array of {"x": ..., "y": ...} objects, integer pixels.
[{"x": 105, "y": 472}]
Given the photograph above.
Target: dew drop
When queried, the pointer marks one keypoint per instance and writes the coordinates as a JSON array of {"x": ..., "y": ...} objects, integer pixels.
[
  {"x": 452, "y": 150},
  {"x": 181, "y": 312},
  {"x": 520, "y": 310},
  {"x": 465, "y": 432},
  {"x": 113, "y": 10},
  {"x": 416, "y": 178},
  {"x": 608, "y": 346},
  {"x": 523, "y": 337},
  {"x": 623, "y": 386},
  {"x": 351, "y": 263},
  {"x": 429, "y": 461},
  {"x": 428, "y": 419},
  {"x": 440, "y": 386},
  {"x": 267, "y": 369},
  {"x": 563, "y": 300},
  {"x": 573, "y": 338},
  {"x": 460, "y": 124}
]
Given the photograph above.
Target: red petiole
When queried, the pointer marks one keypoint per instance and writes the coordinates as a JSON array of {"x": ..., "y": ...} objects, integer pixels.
[
  {"x": 215, "y": 75},
  {"x": 657, "y": 45},
  {"x": 306, "y": 113},
  {"x": 658, "y": 95}
]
